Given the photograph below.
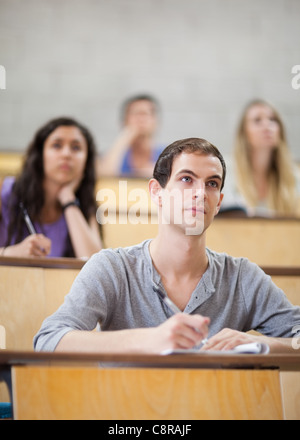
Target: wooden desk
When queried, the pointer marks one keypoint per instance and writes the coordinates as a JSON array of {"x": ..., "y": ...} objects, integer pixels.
[
  {"x": 288, "y": 279},
  {"x": 146, "y": 387},
  {"x": 10, "y": 163},
  {"x": 123, "y": 193},
  {"x": 271, "y": 242},
  {"x": 32, "y": 289},
  {"x": 44, "y": 262},
  {"x": 263, "y": 241}
]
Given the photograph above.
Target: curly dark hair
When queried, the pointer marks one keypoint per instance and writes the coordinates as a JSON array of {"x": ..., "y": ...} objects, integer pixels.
[{"x": 28, "y": 188}]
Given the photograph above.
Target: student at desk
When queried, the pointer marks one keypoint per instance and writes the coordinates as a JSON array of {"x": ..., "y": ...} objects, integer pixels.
[
  {"x": 134, "y": 152},
  {"x": 121, "y": 289},
  {"x": 50, "y": 209},
  {"x": 262, "y": 179}
]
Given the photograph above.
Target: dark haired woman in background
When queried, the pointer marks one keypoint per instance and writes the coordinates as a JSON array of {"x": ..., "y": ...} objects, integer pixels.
[{"x": 56, "y": 188}]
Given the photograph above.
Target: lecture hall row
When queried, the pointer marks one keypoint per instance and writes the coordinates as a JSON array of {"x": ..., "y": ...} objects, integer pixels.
[{"x": 36, "y": 290}]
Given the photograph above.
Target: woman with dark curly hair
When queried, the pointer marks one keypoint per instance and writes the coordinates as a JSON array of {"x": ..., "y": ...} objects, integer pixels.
[{"x": 55, "y": 192}]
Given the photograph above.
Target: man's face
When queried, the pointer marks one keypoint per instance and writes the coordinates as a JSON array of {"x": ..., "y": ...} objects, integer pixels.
[{"x": 192, "y": 196}]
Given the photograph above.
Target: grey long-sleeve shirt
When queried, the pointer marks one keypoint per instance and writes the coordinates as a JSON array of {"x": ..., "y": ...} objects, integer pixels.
[{"x": 115, "y": 289}]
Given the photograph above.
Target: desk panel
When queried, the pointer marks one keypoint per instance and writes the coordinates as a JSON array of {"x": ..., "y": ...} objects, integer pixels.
[
  {"x": 27, "y": 296},
  {"x": 29, "y": 293},
  {"x": 145, "y": 394},
  {"x": 265, "y": 242},
  {"x": 10, "y": 163},
  {"x": 290, "y": 388},
  {"x": 290, "y": 286}
]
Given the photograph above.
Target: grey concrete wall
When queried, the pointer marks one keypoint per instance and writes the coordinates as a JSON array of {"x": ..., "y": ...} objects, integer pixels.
[{"x": 203, "y": 60}]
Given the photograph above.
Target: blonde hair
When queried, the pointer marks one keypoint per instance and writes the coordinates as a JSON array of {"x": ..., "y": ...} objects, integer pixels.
[{"x": 282, "y": 195}]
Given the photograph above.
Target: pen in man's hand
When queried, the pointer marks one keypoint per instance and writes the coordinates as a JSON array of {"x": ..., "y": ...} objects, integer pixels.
[
  {"x": 172, "y": 306},
  {"x": 167, "y": 300}
]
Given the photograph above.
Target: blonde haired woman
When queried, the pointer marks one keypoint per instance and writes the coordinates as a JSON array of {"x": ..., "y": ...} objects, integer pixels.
[{"x": 265, "y": 177}]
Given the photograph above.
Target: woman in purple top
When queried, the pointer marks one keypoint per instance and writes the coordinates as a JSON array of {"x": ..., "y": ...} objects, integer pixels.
[{"x": 56, "y": 189}]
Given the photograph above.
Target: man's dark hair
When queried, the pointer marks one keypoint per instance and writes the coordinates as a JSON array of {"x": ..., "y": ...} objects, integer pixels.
[{"x": 163, "y": 167}]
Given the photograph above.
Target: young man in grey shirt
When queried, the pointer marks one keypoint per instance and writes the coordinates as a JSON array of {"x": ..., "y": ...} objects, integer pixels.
[{"x": 222, "y": 297}]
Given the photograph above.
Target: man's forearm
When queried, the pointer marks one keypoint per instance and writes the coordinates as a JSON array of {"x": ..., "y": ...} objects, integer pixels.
[
  {"x": 121, "y": 341},
  {"x": 179, "y": 331},
  {"x": 281, "y": 345}
]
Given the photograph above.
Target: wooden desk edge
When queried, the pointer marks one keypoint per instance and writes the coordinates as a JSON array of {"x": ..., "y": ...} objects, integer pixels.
[
  {"x": 77, "y": 263},
  {"x": 253, "y": 219},
  {"x": 44, "y": 262},
  {"x": 289, "y": 271},
  {"x": 283, "y": 362}
]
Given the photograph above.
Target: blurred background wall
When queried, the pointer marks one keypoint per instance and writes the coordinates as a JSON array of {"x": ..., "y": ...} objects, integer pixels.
[{"x": 203, "y": 60}]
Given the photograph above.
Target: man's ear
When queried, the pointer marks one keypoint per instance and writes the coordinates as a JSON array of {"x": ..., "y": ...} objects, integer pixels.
[
  {"x": 219, "y": 204},
  {"x": 155, "y": 191}
]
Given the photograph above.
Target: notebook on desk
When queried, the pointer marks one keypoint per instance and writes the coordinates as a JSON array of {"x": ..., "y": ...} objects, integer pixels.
[{"x": 252, "y": 348}]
